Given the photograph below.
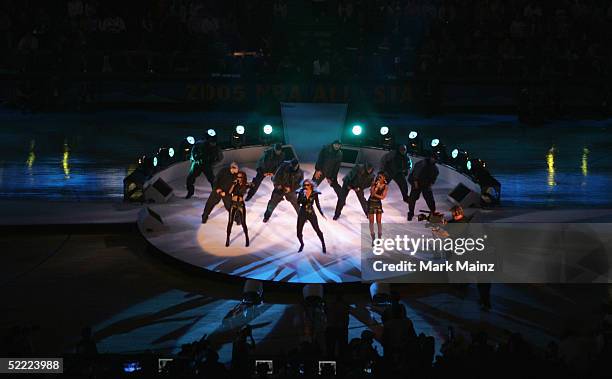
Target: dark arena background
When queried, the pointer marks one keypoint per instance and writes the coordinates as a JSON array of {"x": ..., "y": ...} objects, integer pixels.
[{"x": 112, "y": 266}]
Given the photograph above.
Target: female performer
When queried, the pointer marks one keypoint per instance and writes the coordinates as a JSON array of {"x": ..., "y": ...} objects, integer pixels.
[
  {"x": 378, "y": 191},
  {"x": 238, "y": 208},
  {"x": 308, "y": 197}
]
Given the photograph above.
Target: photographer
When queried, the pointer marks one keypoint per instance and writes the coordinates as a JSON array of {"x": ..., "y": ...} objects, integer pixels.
[
  {"x": 458, "y": 217},
  {"x": 242, "y": 346},
  {"x": 422, "y": 178}
]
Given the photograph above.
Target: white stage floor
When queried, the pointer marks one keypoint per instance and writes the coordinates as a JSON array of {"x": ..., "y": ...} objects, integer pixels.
[{"x": 273, "y": 252}]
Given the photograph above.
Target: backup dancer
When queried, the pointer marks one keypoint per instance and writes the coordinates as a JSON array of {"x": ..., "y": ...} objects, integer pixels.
[
  {"x": 378, "y": 192},
  {"x": 308, "y": 197},
  {"x": 238, "y": 209},
  {"x": 267, "y": 165},
  {"x": 396, "y": 165},
  {"x": 204, "y": 155},
  {"x": 286, "y": 180},
  {"x": 360, "y": 177},
  {"x": 328, "y": 164},
  {"x": 223, "y": 182}
]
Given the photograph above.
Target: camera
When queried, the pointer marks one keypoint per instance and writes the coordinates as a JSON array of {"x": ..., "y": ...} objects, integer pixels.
[
  {"x": 264, "y": 367},
  {"x": 431, "y": 217},
  {"x": 327, "y": 368}
]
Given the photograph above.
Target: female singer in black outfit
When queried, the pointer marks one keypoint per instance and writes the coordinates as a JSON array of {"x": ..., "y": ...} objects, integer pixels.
[
  {"x": 378, "y": 192},
  {"x": 308, "y": 197},
  {"x": 238, "y": 209}
]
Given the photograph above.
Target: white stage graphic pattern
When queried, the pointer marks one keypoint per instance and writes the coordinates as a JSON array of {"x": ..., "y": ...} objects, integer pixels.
[{"x": 273, "y": 254}]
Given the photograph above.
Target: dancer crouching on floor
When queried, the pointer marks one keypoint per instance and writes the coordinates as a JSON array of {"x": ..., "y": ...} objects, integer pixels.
[
  {"x": 238, "y": 209},
  {"x": 308, "y": 197},
  {"x": 378, "y": 192}
]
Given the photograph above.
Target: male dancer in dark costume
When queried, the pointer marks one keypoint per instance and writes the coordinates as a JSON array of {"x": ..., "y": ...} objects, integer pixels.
[
  {"x": 422, "y": 178},
  {"x": 238, "y": 207},
  {"x": 286, "y": 180},
  {"x": 396, "y": 165},
  {"x": 357, "y": 179},
  {"x": 378, "y": 192},
  {"x": 266, "y": 166},
  {"x": 223, "y": 182},
  {"x": 307, "y": 198},
  {"x": 204, "y": 155},
  {"x": 328, "y": 165}
]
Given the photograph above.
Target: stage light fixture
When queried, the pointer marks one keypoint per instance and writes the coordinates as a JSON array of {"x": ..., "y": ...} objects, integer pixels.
[
  {"x": 357, "y": 130},
  {"x": 438, "y": 150},
  {"x": 211, "y": 132},
  {"x": 478, "y": 164},
  {"x": 238, "y": 137},
  {"x": 185, "y": 148},
  {"x": 147, "y": 164},
  {"x": 268, "y": 134},
  {"x": 386, "y": 138},
  {"x": 165, "y": 156},
  {"x": 459, "y": 159},
  {"x": 415, "y": 145}
]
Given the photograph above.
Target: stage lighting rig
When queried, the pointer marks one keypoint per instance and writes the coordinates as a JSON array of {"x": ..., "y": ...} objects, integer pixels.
[
  {"x": 266, "y": 134},
  {"x": 186, "y": 146},
  {"x": 477, "y": 165},
  {"x": 386, "y": 138},
  {"x": 211, "y": 132},
  {"x": 415, "y": 145},
  {"x": 165, "y": 156},
  {"x": 148, "y": 164},
  {"x": 459, "y": 159},
  {"x": 438, "y": 150},
  {"x": 357, "y": 130},
  {"x": 238, "y": 136}
]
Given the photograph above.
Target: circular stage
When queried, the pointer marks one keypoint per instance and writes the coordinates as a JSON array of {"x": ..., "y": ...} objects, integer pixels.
[{"x": 273, "y": 253}]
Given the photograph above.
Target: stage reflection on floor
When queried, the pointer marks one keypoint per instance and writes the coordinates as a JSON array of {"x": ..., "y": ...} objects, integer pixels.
[
  {"x": 273, "y": 253},
  {"x": 164, "y": 323}
]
